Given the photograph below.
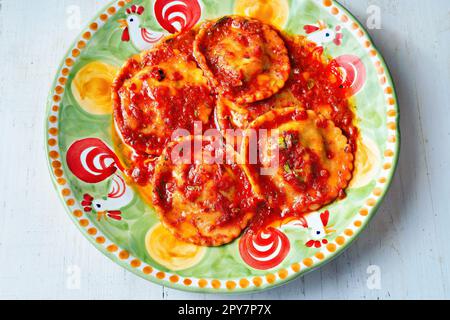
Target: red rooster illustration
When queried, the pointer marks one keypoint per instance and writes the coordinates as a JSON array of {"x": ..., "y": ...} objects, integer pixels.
[
  {"x": 92, "y": 161},
  {"x": 173, "y": 15}
]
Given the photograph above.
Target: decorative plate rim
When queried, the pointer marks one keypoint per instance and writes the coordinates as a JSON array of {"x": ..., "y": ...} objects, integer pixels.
[{"x": 251, "y": 284}]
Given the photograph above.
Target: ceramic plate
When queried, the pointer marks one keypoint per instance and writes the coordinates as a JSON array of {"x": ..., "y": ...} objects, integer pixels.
[{"x": 79, "y": 133}]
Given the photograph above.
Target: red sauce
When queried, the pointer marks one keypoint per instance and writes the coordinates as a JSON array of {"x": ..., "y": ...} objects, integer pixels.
[
  {"x": 313, "y": 82},
  {"x": 234, "y": 39},
  {"x": 317, "y": 86},
  {"x": 177, "y": 112},
  {"x": 136, "y": 108},
  {"x": 218, "y": 181},
  {"x": 181, "y": 46},
  {"x": 142, "y": 169},
  {"x": 302, "y": 170},
  {"x": 231, "y": 78}
]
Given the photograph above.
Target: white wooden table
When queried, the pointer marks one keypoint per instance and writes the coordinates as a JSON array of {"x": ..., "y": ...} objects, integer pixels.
[{"x": 408, "y": 240}]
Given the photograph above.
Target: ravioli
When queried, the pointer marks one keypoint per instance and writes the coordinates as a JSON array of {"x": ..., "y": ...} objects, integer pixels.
[
  {"x": 232, "y": 118},
  {"x": 243, "y": 58},
  {"x": 315, "y": 162},
  {"x": 204, "y": 202},
  {"x": 231, "y": 115},
  {"x": 241, "y": 74},
  {"x": 160, "y": 91},
  {"x": 313, "y": 84}
]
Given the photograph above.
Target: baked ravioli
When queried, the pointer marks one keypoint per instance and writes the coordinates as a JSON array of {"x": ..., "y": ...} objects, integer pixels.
[
  {"x": 243, "y": 58},
  {"x": 231, "y": 115},
  {"x": 313, "y": 84},
  {"x": 160, "y": 91},
  {"x": 245, "y": 78},
  {"x": 314, "y": 163},
  {"x": 202, "y": 201}
]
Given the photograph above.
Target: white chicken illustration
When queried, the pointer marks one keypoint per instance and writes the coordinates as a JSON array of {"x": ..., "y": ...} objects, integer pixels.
[
  {"x": 321, "y": 34},
  {"x": 118, "y": 196},
  {"x": 142, "y": 38},
  {"x": 317, "y": 225}
]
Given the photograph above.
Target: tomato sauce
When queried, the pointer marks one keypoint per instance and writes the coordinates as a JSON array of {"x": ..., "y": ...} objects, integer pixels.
[
  {"x": 177, "y": 112},
  {"x": 318, "y": 87},
  {"x": 193, "y": 188},
  {"x": 180, "y": 46},
  {"x": 313, "y": 82},
  {"x": 205, "y": 203},
  {"x": 307, "y": 183},
  {"x": 153, "y": 98},
  {"x": 245, "y": 59},
  {"x": 221, "y": 179}
]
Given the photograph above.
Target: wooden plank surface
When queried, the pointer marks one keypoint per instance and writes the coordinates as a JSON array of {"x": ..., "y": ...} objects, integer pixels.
[{"x": 408, "y": 239}]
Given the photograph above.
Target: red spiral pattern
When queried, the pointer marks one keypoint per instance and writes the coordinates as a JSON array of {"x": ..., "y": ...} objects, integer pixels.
[
  {"x": 177, "y": 15},
  {"x": 352, "y": 70},
  {"x": 118, "y": 187},
  {"x": 91, "y": 160},
  {"x": 264, "y": 250}
]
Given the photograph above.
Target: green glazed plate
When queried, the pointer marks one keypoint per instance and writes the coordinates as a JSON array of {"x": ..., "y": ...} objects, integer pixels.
[{"x": 114, "y": 215}]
